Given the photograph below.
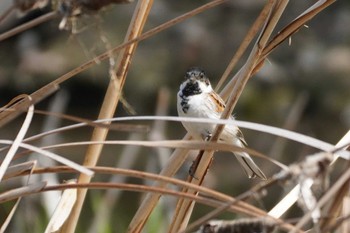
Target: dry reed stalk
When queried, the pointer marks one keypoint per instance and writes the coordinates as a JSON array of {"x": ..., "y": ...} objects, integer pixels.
[
  {"x": 254, "y": 29},
  {"x": 109, "y": 104},
  {"x": 127, "y": 158}
]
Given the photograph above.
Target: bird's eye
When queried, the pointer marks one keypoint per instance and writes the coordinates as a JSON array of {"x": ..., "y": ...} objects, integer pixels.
[{"x": 207, "y": 82}]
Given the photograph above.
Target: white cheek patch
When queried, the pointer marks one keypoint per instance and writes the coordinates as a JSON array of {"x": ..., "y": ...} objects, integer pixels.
[{"x": 204, "y": 87}]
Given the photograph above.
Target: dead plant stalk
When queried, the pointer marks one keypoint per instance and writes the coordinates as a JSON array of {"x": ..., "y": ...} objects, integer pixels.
[{"x": 109, "y": 104}]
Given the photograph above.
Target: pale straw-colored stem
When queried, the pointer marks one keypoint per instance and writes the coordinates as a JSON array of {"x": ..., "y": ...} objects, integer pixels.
[{"x": 109, "y": 105}]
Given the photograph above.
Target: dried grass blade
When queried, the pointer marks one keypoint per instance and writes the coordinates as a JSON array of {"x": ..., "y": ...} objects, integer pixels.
[
  {"x": 182, "y": 144},
  {"x": 284, "y": 133},
  {"x": 22, "y": 191},
  {"x": 298, "y": 137},
  {"x": 54, "y": 156},
  {"x": 96, "y": 123},
  {"x": 16, "y": 143},
  {"x": 19, "y": 169},
  {"x": 63, "y": 209}
]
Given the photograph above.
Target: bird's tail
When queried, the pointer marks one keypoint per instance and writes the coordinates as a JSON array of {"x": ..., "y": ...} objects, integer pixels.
[{"x": 250, "y": 168}]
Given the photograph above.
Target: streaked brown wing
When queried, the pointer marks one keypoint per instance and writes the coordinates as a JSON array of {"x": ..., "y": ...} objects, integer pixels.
[{"x": 220, "y": 104}]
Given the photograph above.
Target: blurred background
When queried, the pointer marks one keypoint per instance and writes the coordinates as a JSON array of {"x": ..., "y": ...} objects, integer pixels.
[{"x": 304, "y": 85}]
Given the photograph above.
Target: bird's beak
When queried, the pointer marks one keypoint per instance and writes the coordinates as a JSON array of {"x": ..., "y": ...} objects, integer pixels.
[{"x": 193, "y": 79}]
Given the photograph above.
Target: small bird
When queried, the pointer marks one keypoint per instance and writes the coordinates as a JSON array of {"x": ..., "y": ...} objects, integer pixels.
[{"x": 196, "y": 98}]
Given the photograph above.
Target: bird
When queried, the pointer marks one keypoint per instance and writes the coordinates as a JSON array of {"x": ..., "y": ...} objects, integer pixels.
[{"x": 196, "y": 98}]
